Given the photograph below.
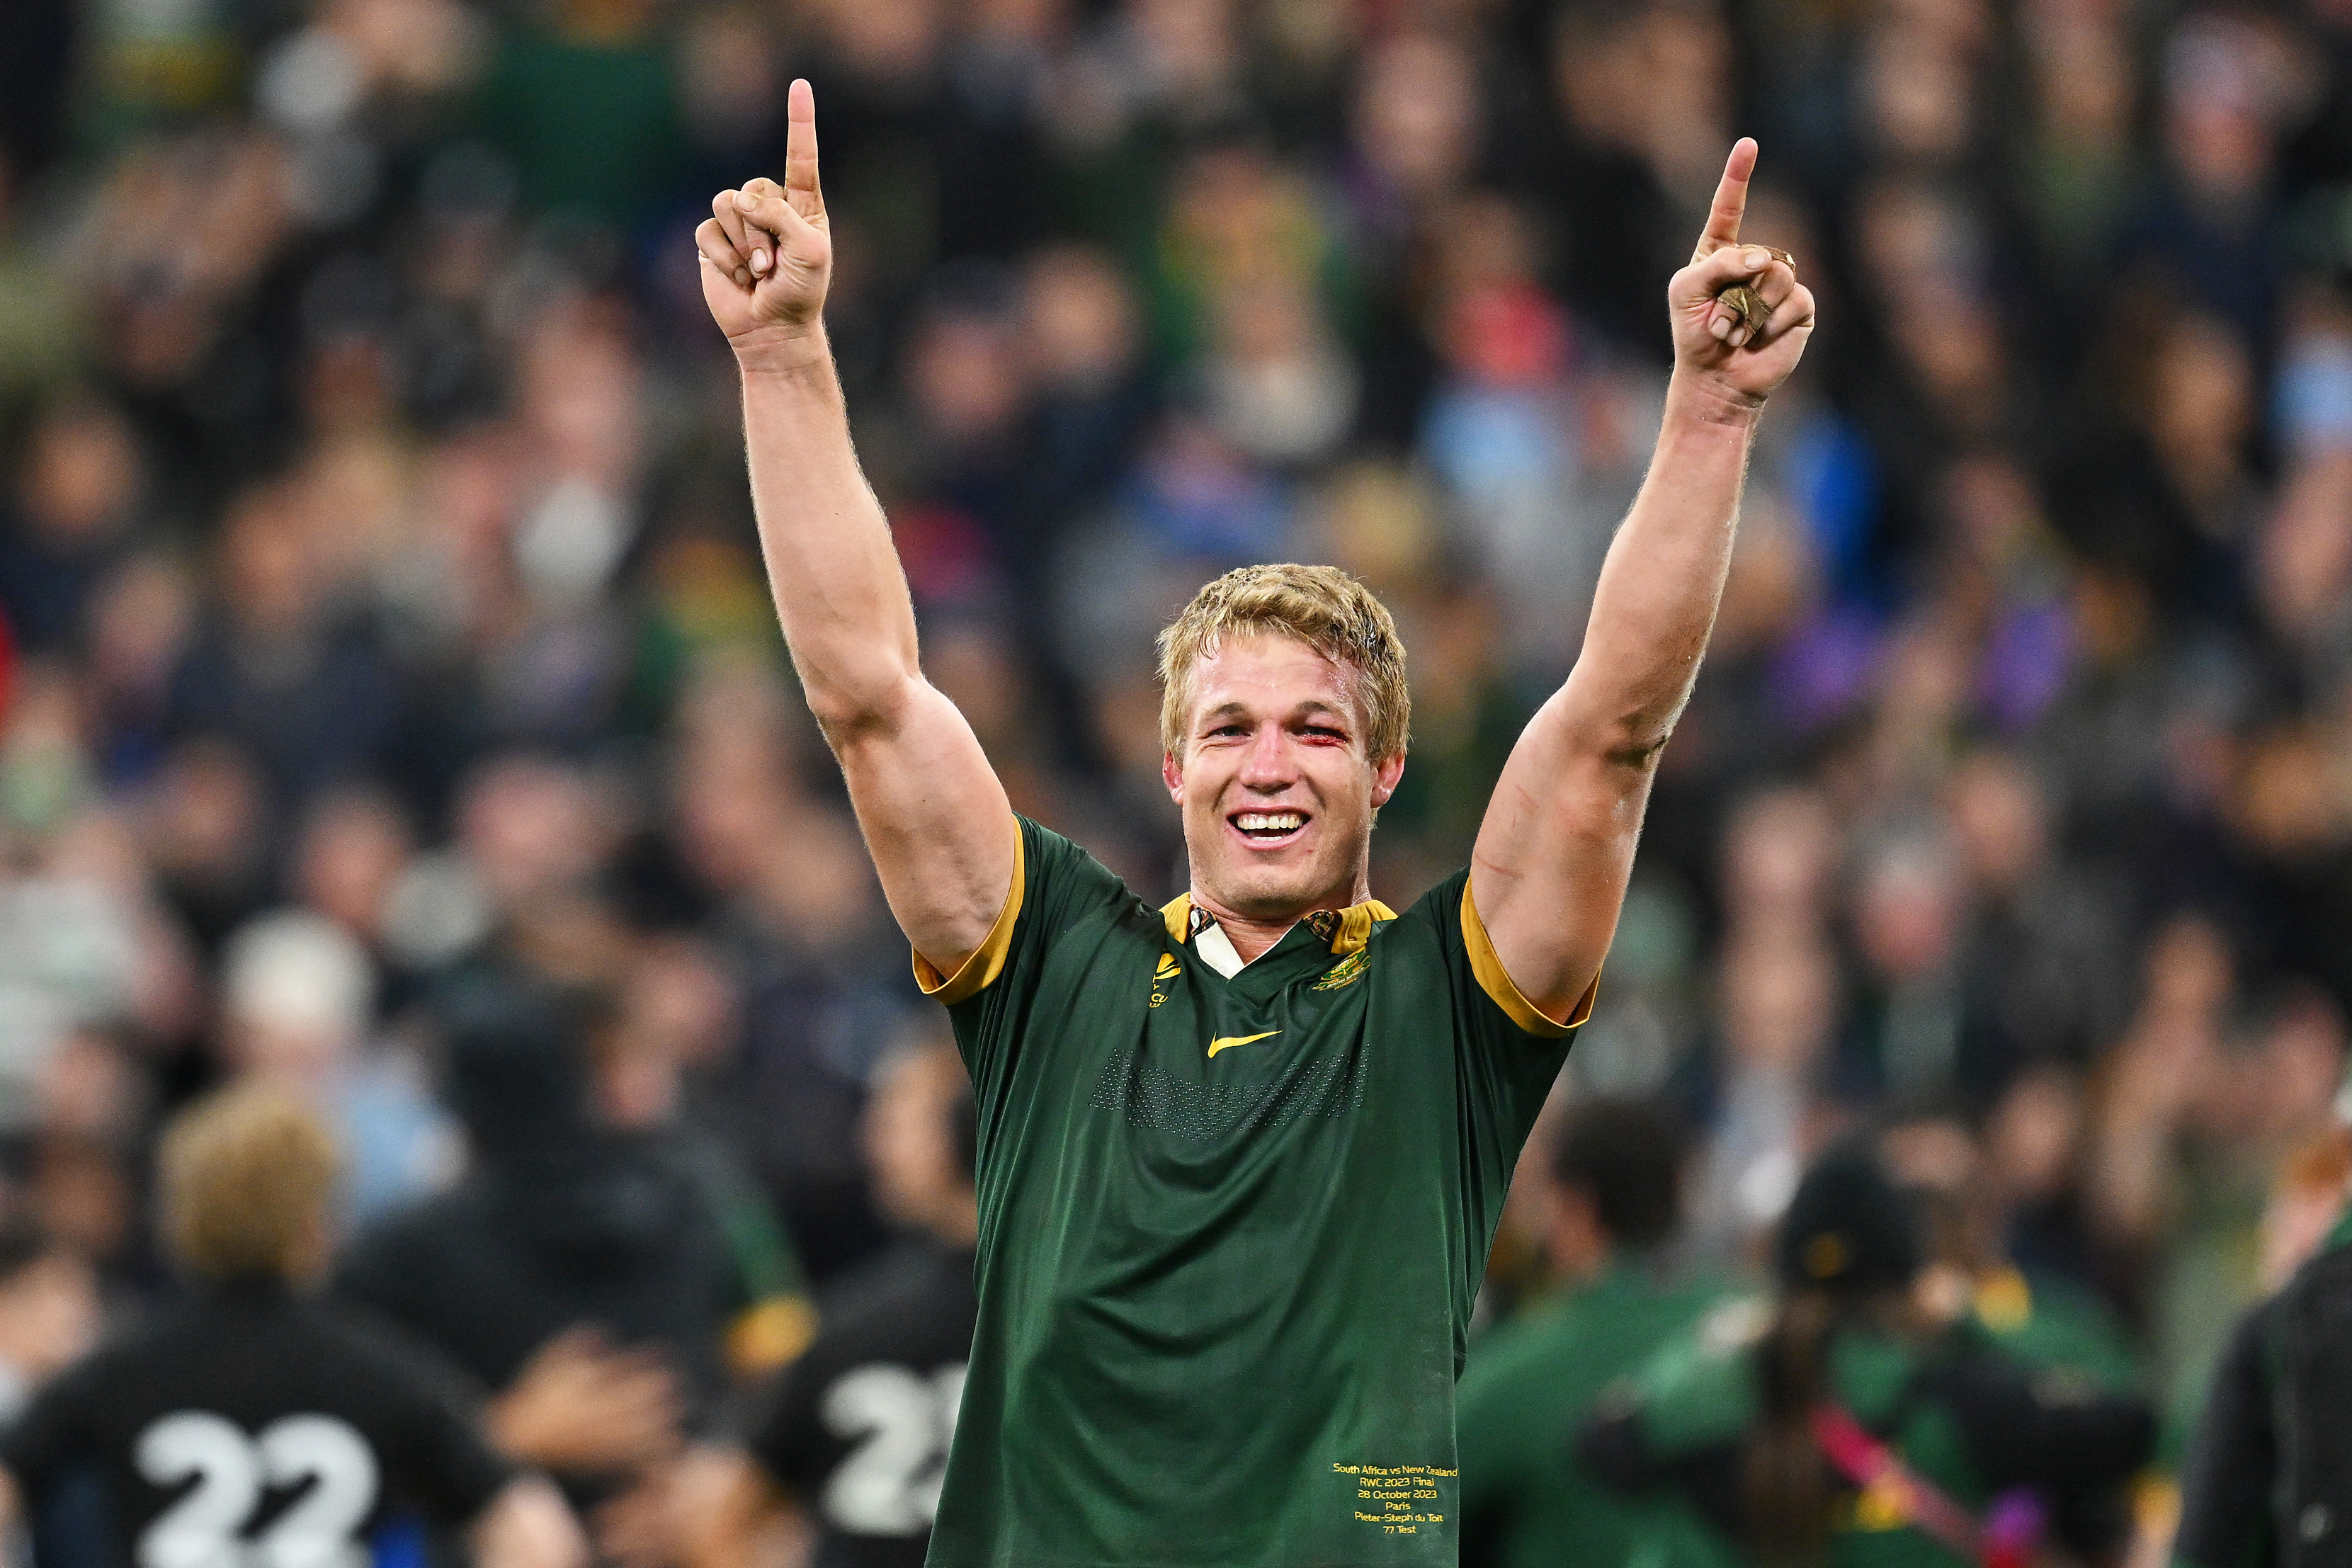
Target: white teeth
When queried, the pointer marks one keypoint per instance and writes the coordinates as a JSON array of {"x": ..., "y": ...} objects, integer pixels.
[{"x": 1268, "y": 821}]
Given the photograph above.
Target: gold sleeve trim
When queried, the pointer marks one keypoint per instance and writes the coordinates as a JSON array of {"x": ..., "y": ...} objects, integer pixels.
[
  {"x": 1497, "y": 982},
  {"x": 765, "y": 1336},
  {"x": 979, "y": 971}
]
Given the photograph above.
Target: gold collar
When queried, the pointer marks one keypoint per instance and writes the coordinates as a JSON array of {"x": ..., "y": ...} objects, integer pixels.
[{"x": 1347, "y": 931}]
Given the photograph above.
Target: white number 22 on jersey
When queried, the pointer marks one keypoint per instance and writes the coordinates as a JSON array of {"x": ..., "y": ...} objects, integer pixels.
[
  {"x": 889, "y": 1484},
  {"x": 206, "y": 1529}
]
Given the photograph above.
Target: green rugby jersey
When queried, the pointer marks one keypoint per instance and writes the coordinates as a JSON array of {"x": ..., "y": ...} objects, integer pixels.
[{"x": 1230, "y": 1229}]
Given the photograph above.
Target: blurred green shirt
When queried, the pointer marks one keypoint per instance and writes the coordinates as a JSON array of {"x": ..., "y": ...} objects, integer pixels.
[
  {"x": 1966, "y": 1416},
  {"x": 1526, "y": 1502},
  {"x": 2048, "y": 1322}
]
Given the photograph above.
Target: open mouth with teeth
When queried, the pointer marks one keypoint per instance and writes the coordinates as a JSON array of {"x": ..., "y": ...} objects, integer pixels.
[{"x": 1268, "y": 828}]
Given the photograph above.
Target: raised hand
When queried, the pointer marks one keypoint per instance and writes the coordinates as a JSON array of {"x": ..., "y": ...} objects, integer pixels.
[
  {"x": 1746, "y": 359},
  {"x": 767, "y": 250},
  {"x": 582, "y": 1407}
]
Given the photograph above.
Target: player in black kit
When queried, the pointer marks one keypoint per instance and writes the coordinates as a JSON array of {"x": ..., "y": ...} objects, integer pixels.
[
  {"x": 256, "y": 1425},
  {"x": 859, "y": 1427},
  {"x": 852, "y": 1437}
]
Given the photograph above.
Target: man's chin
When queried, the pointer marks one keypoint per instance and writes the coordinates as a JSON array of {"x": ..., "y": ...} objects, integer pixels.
[{"x": 1263, "y": 892}]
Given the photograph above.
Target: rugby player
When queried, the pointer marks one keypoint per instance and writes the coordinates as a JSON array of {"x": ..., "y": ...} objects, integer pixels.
[
  {"x": 256, "y": 1423},
  {"x": 1241, "y": 1158}
]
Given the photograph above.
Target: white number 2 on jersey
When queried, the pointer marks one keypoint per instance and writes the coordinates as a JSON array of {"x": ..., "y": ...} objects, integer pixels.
[
  {"x": 206, "y": 1529},
  {"x": 889, "y": 1484}
]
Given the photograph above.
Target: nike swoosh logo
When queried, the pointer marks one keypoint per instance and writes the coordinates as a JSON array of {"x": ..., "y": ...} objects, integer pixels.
[{"x": 1226, "y": 1042}]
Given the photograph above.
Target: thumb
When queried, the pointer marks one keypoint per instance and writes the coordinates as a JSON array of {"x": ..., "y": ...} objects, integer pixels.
[{"x": 1710, "y": 275}]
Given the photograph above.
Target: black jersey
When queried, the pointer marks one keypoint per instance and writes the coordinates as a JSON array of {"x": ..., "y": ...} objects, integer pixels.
[
  {"x": 252, "y": 1426},
  {"x": 858, "y": 1426},
  {"x": 617, "y": 1232}
]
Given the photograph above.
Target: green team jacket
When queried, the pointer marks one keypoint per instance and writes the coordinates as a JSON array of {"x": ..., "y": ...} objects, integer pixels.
[
  {"x": 1965, "y": 1416},
  {"x": 1230, "y": 1229},
  {"x": 2054, "y": 1325},
  {"x": 1526, "y": 1502}
]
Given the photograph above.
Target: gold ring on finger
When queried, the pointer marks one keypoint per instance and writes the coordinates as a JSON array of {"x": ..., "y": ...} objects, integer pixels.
[{"x": 1746, "y": 302}]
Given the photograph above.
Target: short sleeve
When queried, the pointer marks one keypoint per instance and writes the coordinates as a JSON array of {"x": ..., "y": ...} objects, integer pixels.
[
  {"x": 1487, "y": 968},
  {"x": 1056, "y": 888},
  {"x": 1503, "y": 1069},
  {"x": 987, "y": 962},
  {"x": 1507, "y": 1051}
]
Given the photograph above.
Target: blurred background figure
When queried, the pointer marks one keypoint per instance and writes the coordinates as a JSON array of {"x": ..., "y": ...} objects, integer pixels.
[
  {"x": 1852, "y": 1418},
  {"x": 883, "y": 1376},
  {"x": 256, "y": 1384},
  {"x": 2267, "y": 1475},
  {"x": 298, "y": 998},
  {"x": 48, "y": 1312},
  {"x": 1609, "y": 1207},
  {"x": 2040, "y": 1317},
  {"x": 587, "y": 1268}
]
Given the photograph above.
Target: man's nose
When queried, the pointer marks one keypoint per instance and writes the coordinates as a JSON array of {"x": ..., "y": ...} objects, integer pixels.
[{"x": 1268, "y": 765}]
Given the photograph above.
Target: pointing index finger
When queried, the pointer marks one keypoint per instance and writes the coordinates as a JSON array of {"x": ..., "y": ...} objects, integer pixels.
[
  {"x": 1730, "y": 197},
  {"x": 800, "y": 141}
]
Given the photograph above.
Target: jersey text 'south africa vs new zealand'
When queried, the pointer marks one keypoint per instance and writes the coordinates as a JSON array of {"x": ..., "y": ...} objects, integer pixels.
[{"x": 1231, "y": 1229}]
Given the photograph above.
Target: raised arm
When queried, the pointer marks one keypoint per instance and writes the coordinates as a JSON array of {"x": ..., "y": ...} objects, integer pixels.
[
  {"x": 935, "y": 817},
  {"x": 1549, "y": 869}
]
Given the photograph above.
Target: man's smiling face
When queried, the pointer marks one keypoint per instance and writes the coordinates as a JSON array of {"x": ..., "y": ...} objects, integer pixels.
[{"x": 1275, "y": 783}]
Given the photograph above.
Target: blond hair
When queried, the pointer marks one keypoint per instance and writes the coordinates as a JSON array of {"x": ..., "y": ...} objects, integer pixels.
[
  {"x": 244, "y": 1178},
  {"x": 1320, "y": 607}
]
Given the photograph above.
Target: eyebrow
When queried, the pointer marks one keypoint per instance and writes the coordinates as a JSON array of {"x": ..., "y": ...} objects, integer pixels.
[{"x": 1313, "y": 706}]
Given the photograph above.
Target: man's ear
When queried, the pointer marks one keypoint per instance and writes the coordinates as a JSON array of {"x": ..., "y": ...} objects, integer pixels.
[
  {"x": 1385, "y": 778},
  {"x": 1173, "y": 775}
]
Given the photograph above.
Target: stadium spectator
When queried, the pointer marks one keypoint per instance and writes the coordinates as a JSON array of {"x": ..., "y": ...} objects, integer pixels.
[
  {"x": 2042, "y": 1319},
  {"x": 299, "y": 997},
  {"x": 76, "y": 505}
]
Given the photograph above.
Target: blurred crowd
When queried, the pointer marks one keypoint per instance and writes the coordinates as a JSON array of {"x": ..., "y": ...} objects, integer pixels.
[{"x": 382, "y": 610}]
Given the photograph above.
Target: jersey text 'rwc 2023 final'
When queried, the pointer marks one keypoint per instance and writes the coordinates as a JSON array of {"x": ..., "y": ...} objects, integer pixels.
[{"x": 1230, "y": 1228}]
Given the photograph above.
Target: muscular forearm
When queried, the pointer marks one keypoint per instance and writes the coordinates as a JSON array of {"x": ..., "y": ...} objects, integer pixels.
[
  {"x": 1663, "y": 579},
  {"x": 1553, "y": 858},
  {"x": 934, "y": 815},
  {"x": 1549, "y": 869},
  {"x": 839, "y": 590}
]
